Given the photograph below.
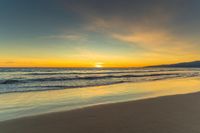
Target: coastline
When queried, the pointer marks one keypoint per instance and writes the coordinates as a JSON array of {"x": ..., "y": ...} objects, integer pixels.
[
  {"x": 19, "y": 105},
  {"x": 174, "y": 114}
]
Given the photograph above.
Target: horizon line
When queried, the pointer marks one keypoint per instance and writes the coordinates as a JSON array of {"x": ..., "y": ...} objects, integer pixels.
[{"x": 96, "y": 67}]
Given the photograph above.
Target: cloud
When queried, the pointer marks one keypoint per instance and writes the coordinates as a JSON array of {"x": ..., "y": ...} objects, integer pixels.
[
  {"x": 157, "y": 41},
  {"x": 153, "y": 26},
  {"x": 167, "y": 28},
  {"x": 63, "y": 36},
  {"x": 150, "y": 38}
]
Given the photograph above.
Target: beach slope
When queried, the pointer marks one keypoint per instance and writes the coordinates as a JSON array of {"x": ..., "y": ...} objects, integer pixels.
[{"x": 169, "y": 114}]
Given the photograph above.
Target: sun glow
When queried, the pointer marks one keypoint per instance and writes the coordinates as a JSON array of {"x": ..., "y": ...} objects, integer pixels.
[{"x": 99, "y": 65}]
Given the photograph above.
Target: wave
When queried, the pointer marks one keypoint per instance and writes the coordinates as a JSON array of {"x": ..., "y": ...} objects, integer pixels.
[
  {"x": 45, "y": 84},
  {"x": 15, "y": 81},
  {"x": 103, "y": 72},
  {"x": 11, "y": 81},
  {"x": 54, "y": 87},
  {"x": 88, "y": 73},
  {"x": 59, "y": 87}
]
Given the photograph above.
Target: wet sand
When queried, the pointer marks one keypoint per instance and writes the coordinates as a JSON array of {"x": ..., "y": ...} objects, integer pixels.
[{"x": 169, "y": 114}]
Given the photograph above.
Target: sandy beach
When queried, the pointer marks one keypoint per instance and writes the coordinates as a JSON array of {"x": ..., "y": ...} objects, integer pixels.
[{"x": 169, "y": 114}]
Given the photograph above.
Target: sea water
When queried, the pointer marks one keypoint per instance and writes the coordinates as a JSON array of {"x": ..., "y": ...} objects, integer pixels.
[{"x": 33, "y": 91}]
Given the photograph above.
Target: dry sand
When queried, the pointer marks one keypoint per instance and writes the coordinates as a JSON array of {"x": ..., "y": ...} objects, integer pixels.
[{"x": 170, "y": 114}]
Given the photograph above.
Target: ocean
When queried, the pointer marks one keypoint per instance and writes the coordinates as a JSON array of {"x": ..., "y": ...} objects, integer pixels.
[
  {"x": 42, "y": 79},
  {"x": 33, "y": 91}
]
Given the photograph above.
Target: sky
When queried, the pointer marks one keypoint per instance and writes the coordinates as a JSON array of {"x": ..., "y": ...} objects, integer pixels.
[{"x": 95, "y": 33}]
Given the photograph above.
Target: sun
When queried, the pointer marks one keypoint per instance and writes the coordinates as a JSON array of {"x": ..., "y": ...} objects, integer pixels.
[{"x": 99, "y": 65}]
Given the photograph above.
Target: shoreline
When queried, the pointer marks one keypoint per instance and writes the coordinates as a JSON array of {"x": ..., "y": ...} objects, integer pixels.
[
  {"x": 20, "y": 105},
  {"x": 174, "y": 114}
]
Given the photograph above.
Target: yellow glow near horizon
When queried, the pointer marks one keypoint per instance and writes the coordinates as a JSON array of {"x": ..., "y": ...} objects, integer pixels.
[
  {"x": 99, "y": 65},
  {"x": 95, "y": 61}
]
